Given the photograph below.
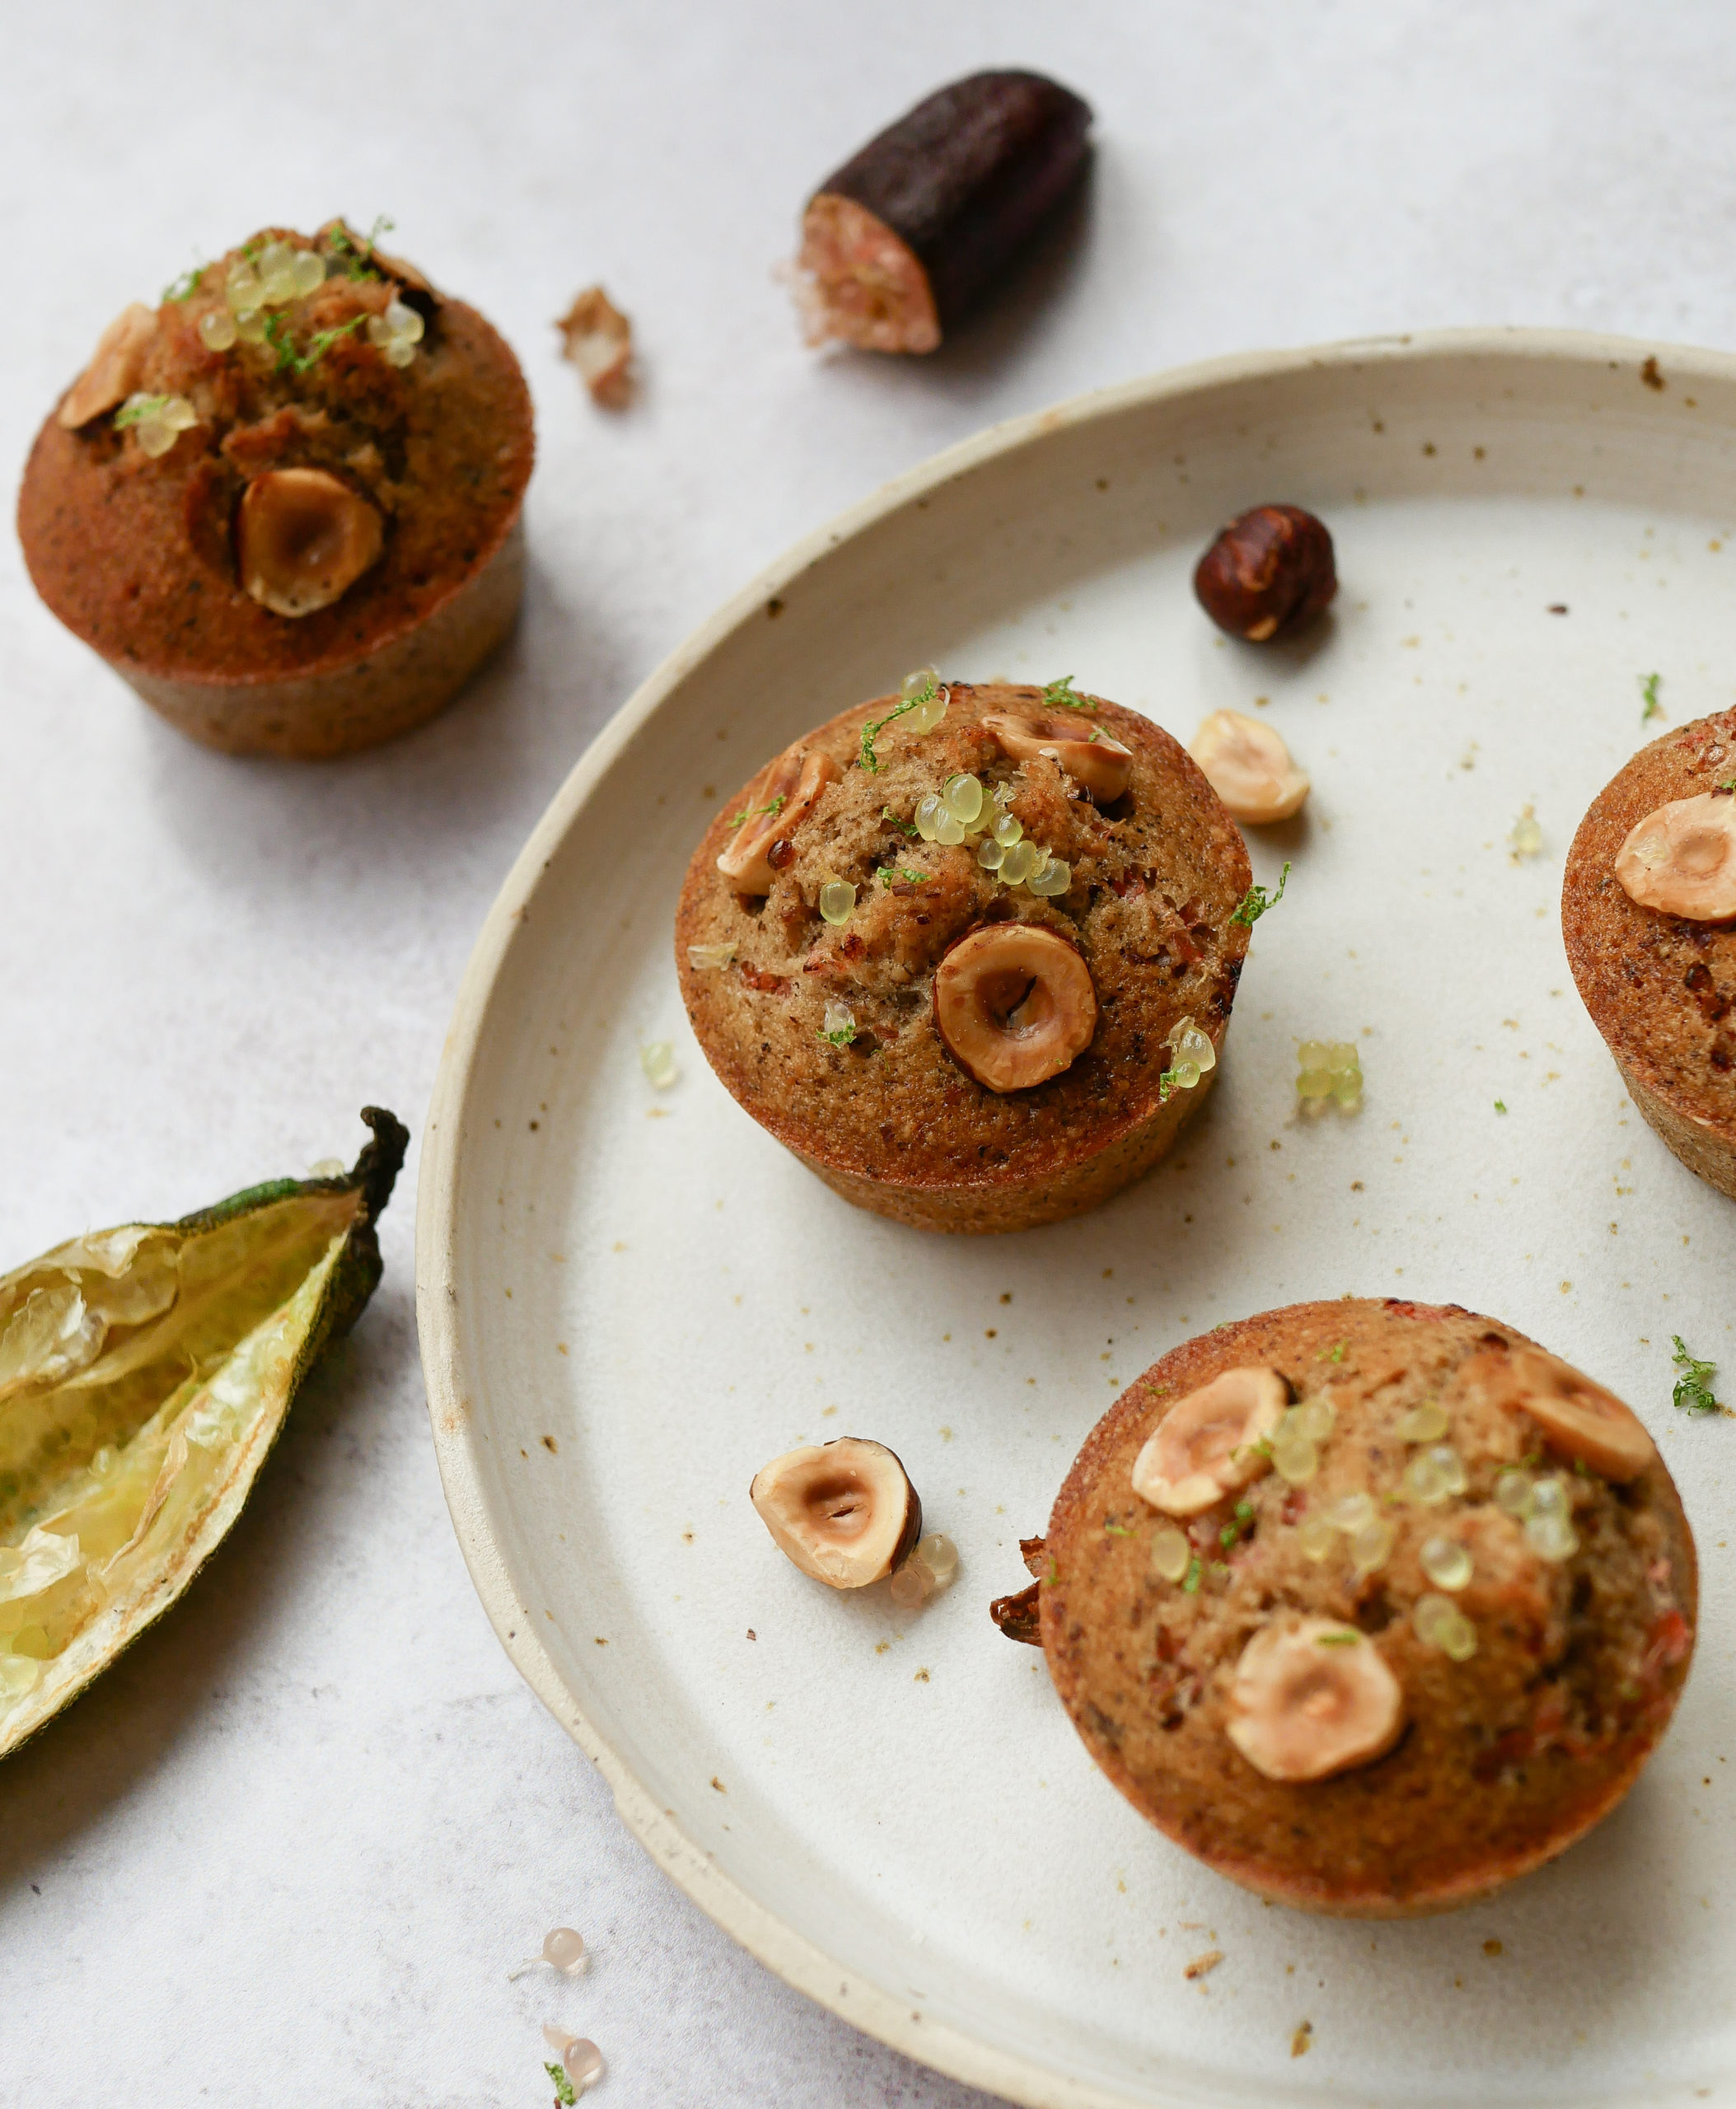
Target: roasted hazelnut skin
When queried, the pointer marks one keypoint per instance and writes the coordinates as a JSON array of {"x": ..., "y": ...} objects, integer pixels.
[{"x": 1267, "y": 573}]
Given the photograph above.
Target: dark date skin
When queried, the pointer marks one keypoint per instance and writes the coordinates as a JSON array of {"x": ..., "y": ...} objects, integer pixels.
[{"x": 1270, "y": 573}]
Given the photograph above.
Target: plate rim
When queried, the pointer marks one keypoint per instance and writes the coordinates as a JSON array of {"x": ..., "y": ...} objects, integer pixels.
[{"x": 799, "y": 1961}]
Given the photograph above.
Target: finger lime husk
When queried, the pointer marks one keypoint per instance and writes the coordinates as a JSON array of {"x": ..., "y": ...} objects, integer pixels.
[{"x": 144, "y": 1373}]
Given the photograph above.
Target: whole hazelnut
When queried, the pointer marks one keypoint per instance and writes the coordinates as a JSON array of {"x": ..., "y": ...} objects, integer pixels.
[{"x": 1267, "y": 573}]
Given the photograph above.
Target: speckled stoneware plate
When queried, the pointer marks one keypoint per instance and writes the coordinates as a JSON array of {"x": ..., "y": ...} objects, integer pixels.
[{"x": 630, "y": 1299}]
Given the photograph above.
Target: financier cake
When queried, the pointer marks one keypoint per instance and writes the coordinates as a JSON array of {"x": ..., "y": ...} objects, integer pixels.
[
  {"x": 970, "y": 951},
  {"x": 283, "y": 503},
  {"x": 1371, "y": 1605},
  {"x": 1648, "y": 905}
]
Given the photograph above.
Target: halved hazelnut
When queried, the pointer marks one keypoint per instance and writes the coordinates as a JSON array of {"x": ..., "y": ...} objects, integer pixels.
[
  {"x": 1312, "y": 1697},
  {"x": 844, "y": 1512},
  {"x": 1207, "y": 1444},
  {"x": 116, "y": 368},
  {"x": 779, "y": 803},
  {"x": 1090, "y": 757},
  {"x": 1682, "y": 859},
  {"x": 303, "y": 539},
  {"x": 1249, "y": 767},
  {"x": 1578, "y": 1417},
  {"x": 1014, "y": 1003}
]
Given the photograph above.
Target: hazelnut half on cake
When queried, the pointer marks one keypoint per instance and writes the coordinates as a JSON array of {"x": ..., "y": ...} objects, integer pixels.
[
  {"x": 1371, "y": 1605},
  {"x": 968, "y": 951},
  {"x": 1649, "y": 915},
  {"x": 284, "y": 503}
]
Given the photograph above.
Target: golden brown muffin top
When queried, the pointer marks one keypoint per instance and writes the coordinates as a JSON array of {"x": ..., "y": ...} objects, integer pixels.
[
  {"x": 1156, "y": 876},
  {"x": 1523, "y": 1715},
  {"x": 1660, "y": 989},
  {"x": 367, "y": 375}
]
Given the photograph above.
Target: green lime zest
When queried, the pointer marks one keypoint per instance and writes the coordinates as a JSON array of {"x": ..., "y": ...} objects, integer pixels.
[
  {"x": 1062, "y": 695},
  {"x": 1693, "y": 1392},
  {"x": 755, "y": 812},
  {"x": 139, "y": 409},
  {"x": 186, "y": 286},
  {"x": 1648, "y": 688},
  {"x": 563, "y": 2092},
  {"x": 1256, "y": 901},
  {"x": 289, "y": 359},
  {"x": 930, "y": 689}
]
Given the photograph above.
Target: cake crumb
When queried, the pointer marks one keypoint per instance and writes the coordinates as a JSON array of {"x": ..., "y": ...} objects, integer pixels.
[
  {"x": 599, "y": 342},
  {"x": 1302, "y": 2040},
  {"x": 1202, "y": 1963}
]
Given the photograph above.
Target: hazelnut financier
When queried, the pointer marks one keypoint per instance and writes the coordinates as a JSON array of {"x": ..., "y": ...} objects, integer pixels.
[
  {"x": 285, "y": 504},
  {"x": 969, "y": 951},
  {"x": 1371, "y": 1605},
  {"x": 1649, "y": 915}
]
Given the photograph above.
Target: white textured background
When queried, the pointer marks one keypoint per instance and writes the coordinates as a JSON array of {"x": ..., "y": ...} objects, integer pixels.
[{"x": 286, "y": 1849}]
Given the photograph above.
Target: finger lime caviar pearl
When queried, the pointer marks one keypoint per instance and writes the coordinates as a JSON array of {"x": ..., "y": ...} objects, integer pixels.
[
  {"x": 932, "y": 709},
  {"x": 840, "y": 1024},
  {"x": 156, "y": 422},
  {"x": 1328, "y": 1070},
  {"x": 1526, "y": 838},
  {"x": 1427, "y": 1423},
  {"x": 1170, "y": 1553},
  {"x": 658, "y": 1062},
  {"x": 1439, "y": 1623},
  {"x": 1446, "y": 1563},
  {"x": 1192, "y": 1053},
  {"x": 1434, "y": 1475},
  {"x": 837, "y": 901},
  {"x": 932, "y": 1568}
]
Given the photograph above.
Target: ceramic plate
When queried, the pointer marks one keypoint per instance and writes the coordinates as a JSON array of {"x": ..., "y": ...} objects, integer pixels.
[{"x": 630, "y": 1298}]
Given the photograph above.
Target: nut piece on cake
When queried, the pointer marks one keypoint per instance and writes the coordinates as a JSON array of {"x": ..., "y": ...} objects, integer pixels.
[
  {"x": 1312, "y": 1697},
  {"x": 1214, "y": 1441},
  {"x": 1430, "y": 1644},
  {"x": 1014, "y": 1003}
]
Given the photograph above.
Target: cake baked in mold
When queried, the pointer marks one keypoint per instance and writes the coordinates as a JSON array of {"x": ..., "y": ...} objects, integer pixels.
[
  {"x": 1371, "y": 1605},
  {"x": 1648, "y": 906},
  {"x": 284, "y": 503},
  {"x": 971, "y": 951}
]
